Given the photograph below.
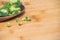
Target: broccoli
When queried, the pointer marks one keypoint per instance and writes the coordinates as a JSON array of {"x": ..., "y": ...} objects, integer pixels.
[
  {"x": 10, "y": 8},
  {"x": 26, "y": 19},
  {"x": 4, "y": 11},
  {"x": 13, "y": 1}
]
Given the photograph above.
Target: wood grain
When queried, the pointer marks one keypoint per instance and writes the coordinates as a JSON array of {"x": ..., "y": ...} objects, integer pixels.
[{"x": 45, "y": 24}]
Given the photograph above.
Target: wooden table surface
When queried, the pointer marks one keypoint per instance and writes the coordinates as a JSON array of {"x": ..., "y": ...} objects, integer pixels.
[{"x": 38, "y": 11}]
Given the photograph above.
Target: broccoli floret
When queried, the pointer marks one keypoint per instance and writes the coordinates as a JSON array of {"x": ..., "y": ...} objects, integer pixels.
[
  {"x": 17, "y": 4},
  {"x": 6, "y": 5},
  {"x": 12, "y": 8},
  {"x": 13, "y": 1},
  {"x": 4, "y": 11},
  {"x": 3, "y": 14}
]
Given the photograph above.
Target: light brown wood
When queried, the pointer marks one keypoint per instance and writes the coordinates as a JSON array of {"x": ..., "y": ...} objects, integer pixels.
[
  {"x": 45, "y": 24},
  {"x": 39, "y": 10}
]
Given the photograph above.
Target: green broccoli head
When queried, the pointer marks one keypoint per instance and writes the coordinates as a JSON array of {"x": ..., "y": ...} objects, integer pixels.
[
  {"x": 10, "y": 8},
  {"x": 13, "y": 8},
  {"x": 4, "y": 11},
  {"x": 14, "y": 1}
]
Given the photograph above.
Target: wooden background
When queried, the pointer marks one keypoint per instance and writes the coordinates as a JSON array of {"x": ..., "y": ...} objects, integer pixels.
[
  {"x": 45, "y": 23},
  {"x": 39, "y": 11}
]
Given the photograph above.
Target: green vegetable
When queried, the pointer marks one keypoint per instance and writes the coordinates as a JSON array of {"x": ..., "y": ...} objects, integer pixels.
[
  {"x": 18, "y": 4},
  {"x": 6, "y": 5},
  {"x": 26, "y": 19},
  {"x": 13, "y": 1},
  {"x": 20, "y": 23},
  {"x": 10, "y": 8},
  {"x": 8, "y": 24},
  {"x": 4, "y": 11},
  {"x": 3, "y": 14},
  {"x": 17, "y": 20}
]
